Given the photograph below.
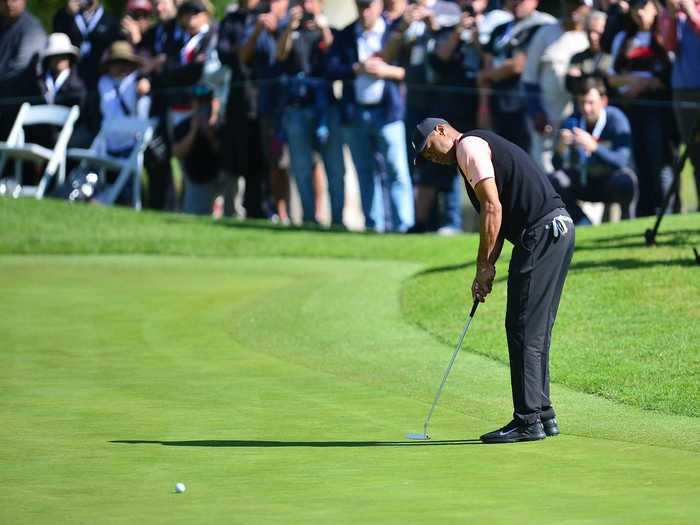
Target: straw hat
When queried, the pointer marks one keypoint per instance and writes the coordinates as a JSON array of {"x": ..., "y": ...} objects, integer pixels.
[
  {"x": 120, "y": 51},
  {"x": 59, "y": 44}
]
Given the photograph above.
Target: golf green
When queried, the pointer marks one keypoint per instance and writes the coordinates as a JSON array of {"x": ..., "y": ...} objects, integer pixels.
[{"x": 279, "y": 391}]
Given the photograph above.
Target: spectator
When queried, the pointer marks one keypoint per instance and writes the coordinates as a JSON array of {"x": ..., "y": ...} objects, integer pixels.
[
  {"x": 617, "y": 12},
  {"x": 196, "y": 145},
  {"x": 137, "y": 21},
  {"x": 123, "y": 93},
  {"x": 58, "y": 83},
  {"x": 593, "y": 157},
  {"x": 418, "y": 33},
  {"x": 21, "y": 41},
  {"x": 93, "y": 30},
  {"x": 160, "y": 49},
  {"x": 504, "y": 61},
  {"x": 242, "y": 155},
  {"x": 641, "y": 73},
  {"x": 682, "y": 37},
  {"x": 593, "y": 61},
  {"x": 456, "y": 64},
  {"x": 198, "y": 62},
  {"x": 259, "y": 53},
  {"x": 372, "y": 109},
  {"x": 311, "y": 117},
  {"x": 165, "y": 39},
  {"x": 543, "y": 78}
]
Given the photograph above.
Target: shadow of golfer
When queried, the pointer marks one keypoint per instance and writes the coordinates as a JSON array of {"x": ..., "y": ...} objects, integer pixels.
[{"x": 282, "y": 444}]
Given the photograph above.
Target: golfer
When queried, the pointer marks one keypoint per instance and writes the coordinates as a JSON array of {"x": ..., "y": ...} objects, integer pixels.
[{"x": 517, "y": 203}]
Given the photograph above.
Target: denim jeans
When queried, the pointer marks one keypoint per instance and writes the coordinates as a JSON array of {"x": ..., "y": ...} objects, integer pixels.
[
  {"x": 300, "y": 124},
  {"x": 379, "y": 152},
  {"x": 198, "y": 198}
]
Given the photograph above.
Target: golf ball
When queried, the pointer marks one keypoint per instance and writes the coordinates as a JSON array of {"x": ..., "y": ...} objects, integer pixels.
[{"x": 180, "y": 487}]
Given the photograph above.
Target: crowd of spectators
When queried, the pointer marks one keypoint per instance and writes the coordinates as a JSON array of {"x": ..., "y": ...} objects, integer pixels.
[{"x": 602, "y": 93}]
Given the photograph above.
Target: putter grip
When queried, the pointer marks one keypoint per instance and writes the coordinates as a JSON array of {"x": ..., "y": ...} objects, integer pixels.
[{"x": 476, "y": 303}]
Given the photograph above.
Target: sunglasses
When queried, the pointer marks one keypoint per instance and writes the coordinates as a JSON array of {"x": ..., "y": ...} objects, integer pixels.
[{"x": 139, "y": 15}]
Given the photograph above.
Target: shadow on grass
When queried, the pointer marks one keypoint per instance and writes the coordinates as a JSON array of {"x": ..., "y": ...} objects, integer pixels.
[
  {"x": 283, "y": 444},
  {"x": 668, "y": 238},
  {"x": 629, "y": 264}
]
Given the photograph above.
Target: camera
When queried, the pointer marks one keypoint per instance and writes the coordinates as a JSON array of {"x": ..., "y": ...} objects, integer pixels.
[
  {"x": 468, "y": 9},
  {"x": 262, "y": 8},
  {"x": 307, "y": 17}
]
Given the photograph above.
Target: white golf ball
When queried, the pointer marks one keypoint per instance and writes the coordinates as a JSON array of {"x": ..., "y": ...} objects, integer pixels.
[{"x": 180, "y": 487}]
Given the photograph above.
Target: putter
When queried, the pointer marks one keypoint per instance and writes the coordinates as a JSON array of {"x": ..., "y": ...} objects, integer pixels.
[{"x": 424, "y": 436}]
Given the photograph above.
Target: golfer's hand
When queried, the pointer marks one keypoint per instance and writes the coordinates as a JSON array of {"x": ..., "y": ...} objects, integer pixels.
[{"x": 483, "y": 282}]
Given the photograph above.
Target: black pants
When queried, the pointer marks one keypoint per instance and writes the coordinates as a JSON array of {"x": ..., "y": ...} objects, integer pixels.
[
  {"x": 536, "y": 275},
  {"x": 619, "y": 186}
]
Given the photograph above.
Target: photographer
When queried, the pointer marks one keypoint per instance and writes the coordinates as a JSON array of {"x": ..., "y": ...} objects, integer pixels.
[
  {"x": 505, "y": 56},
  {"x": 241, "y": 155},
  {"x": 593, "y": 157},
  {"x": 259, "y": 53},
  {"x": 311, "y": 117},
  {"x": 372, "y": 108},
  {"x": 196, "y": 146}
]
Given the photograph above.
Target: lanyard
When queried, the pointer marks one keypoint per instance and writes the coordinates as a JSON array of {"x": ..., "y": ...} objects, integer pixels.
[
  {"x": 53, "y": 86},
  {"x": 192, "y": 43},
  {"x": 120, "y": 87},
  {"x": 597, "y": 130},
  {"x": 599, "y": 125},
  {"x": 86, "y": 28},
  {"x": 178, "y": 35}
]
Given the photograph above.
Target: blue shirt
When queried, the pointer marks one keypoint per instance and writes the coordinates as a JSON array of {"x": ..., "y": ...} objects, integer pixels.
[
  {"x": 686, "y": 68},
  {"x": 614, "y": 150}
]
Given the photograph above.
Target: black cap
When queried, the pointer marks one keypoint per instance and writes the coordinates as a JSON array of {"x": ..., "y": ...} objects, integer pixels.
[
  {"x": 364, "y": 3},
  {"x": 420, "y": 134},
  {"x": 194, "y": 6}
]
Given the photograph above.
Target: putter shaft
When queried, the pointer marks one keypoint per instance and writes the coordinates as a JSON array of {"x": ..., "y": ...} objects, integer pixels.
[{"x": 449, "y": 367}]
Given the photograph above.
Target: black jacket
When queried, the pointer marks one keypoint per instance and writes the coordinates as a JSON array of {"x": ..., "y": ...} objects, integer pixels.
[{"x": 99, "y": 39}]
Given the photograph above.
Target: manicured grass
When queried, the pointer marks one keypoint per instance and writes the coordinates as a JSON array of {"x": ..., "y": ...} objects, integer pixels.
[
  {"x": 629, "y": 326},
  {"x": 276, "y": 371},
  {"x": 124, "y": 375}
]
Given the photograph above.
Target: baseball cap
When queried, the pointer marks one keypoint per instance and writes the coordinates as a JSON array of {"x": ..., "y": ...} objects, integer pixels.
[
  {"x": 195, "y": 6},
  {"x": 420, "y": 135}
]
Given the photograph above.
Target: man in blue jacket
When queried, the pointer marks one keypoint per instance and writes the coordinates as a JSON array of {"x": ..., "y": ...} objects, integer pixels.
[
  {"x": 593, "y": 158},
  {"x": 372, "y": 110}
]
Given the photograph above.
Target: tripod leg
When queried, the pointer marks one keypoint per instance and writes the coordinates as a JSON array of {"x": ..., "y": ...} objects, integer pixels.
[{"x": 650, "y": 234}]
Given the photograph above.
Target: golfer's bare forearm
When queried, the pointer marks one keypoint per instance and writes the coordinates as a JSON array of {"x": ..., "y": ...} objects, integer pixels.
[
  {"x": 496, "y": 253},
  {"x": 490, "y": 227}
]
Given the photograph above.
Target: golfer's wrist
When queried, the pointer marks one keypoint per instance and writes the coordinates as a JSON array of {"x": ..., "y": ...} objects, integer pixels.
[{"x": 483, "y": 265}]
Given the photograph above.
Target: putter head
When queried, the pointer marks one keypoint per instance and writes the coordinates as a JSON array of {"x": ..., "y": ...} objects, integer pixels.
[{"x": 418, "y": 437}]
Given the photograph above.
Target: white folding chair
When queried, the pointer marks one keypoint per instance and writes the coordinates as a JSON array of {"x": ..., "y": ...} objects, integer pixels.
[
  {"x": 129, "y": 167},
  {"x": 16, "y": 148}
]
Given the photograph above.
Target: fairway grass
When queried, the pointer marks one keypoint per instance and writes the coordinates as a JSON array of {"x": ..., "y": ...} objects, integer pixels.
[{"x": 235, "y": 377}]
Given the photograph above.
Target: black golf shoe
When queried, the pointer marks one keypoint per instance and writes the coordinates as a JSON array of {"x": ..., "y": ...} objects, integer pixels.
[
  {"x": 551, "y": 427},
  {"x": 514, "y": 432}
]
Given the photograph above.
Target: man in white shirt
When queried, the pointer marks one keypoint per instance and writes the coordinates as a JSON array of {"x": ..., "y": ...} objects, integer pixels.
[{"x": 372, "y": 108}]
